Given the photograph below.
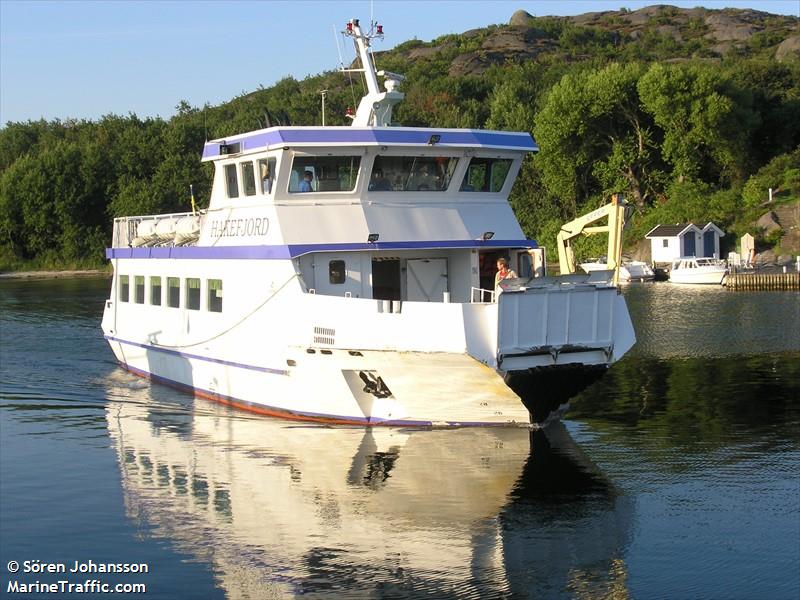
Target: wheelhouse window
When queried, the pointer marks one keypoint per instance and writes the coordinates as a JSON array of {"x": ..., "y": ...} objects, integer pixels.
[
  {"x": 215, "y": 295},
  {"x": 231, "y": 181},
  {"x": 266, "y": 171},
  {"x": 155, "y": 291},
  {"x": 486, "y": 174},
  {"x": 336, "y": 271},
  {"x": 248, "y": 179},
  {"x": 173, "y": 292},
  {"x": 124, "y": 288},
  {"x": 412, "y": 173},
  {"x": 138, "y": 291},
  {"x": 324, "y": 174},
  {"x": 193, "y": 293}
]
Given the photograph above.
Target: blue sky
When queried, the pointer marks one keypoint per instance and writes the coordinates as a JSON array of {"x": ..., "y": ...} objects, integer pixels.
[{"x": 63, "y": 59}]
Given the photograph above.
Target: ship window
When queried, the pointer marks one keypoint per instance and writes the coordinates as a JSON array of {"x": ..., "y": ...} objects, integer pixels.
[
  {"x": 248, "y": 179},
  {"x": 155, "y": 291},
  {"x": 124, "y": 288},
  {"x": 324, "y": 173},
  {"x": 215, "y": 295},
  {"x": 486, "y": 174},
  {"x": 231, "y": 181},
  {"x": 266, "y": 170},
  {"x": 173, "y": 292},
  {"x": 138, "y": 289},
  {"x": 192, "y": 293},
  {"x": 412, "y": 173},
  {"x": 336, "y": 271}
]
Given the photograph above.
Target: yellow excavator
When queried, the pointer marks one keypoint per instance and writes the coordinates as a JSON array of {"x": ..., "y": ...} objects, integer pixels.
[{"x": 616, "y": 212}]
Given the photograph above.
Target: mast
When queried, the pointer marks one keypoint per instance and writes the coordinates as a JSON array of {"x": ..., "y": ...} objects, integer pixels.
[{"x": 375, "y": 109}]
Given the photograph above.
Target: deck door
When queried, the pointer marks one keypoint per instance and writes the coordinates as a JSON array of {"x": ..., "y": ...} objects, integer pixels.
[{"x": 426, "y": 279}]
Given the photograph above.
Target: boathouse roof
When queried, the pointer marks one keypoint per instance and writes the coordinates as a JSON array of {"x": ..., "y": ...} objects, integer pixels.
[
  {"x": 670, "y": 230},
  {"x": 681, "y": 228}
]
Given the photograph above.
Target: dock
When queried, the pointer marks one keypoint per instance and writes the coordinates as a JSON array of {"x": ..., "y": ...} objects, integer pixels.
[{"x": 762, "y": 281}]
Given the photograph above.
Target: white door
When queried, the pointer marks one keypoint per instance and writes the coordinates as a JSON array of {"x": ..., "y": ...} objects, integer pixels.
[{"x": 426, "y": 279}]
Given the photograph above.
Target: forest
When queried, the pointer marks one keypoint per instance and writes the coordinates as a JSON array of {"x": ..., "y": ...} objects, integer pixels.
[{"x": 650, "y": 103}]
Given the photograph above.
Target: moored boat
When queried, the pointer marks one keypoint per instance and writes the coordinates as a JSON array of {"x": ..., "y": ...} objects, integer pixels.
[
  {"x": 693, "y": 270},
  {"x": 338, "y": 276},
  {"x": 634, "y": 270}
]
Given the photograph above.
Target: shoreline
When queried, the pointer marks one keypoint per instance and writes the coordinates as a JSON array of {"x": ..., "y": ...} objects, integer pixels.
[{"x": 54, "y": 274}]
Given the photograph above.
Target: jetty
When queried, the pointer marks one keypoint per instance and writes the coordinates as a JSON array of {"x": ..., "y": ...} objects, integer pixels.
[{"x": 762, "y": 281}]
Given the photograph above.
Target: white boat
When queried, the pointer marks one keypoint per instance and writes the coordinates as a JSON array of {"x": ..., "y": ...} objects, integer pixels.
[
  {"x": 634, "y": 270},
  {"x": 336, "y": 276},
  {"x": 690, "y": 269}
]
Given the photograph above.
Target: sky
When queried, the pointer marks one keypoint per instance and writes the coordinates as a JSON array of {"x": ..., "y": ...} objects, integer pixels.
[{"x": 69, "y": 59}]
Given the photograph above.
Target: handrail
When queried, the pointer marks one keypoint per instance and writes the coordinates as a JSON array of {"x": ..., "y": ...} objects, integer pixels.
[{"x": 482, "y": 293}]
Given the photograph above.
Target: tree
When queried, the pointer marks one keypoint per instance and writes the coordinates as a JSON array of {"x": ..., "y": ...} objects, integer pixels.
[
  {"x": 595, "y": 138},
  {"x": 707, "y": 121}
]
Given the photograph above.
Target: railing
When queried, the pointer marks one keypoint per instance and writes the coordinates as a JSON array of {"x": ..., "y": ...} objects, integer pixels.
[
  {"x": 483, "y": 296},
  {"x": 144, "y": 230}
]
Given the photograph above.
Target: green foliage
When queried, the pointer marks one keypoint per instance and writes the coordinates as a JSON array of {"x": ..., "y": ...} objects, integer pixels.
[
  {"x": 706, "y": 119},
  {"x": 684, "y": 137},
  {"x": 782, "y": 174},
  {"x": 595, "y": 138}
]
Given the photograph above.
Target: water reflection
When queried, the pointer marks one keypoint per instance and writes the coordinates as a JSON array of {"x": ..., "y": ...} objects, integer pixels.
[
  {"x": 679, "y": 321},
  {"x": 698, "y": 403},
  {"x": 280, "y": 509}
]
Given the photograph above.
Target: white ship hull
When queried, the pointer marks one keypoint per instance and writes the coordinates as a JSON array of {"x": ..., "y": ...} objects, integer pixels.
[{"x": 285, "y": 352}]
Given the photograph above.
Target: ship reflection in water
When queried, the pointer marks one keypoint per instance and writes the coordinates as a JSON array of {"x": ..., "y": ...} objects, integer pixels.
[{"x": 279, "y": 510}]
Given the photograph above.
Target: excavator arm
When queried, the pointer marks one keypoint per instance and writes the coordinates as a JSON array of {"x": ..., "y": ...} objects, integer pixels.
[{"x": 615, "y": 212}]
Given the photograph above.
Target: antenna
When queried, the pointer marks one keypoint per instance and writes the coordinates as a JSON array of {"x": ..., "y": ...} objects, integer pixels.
[{"x": 338, "y": 48}]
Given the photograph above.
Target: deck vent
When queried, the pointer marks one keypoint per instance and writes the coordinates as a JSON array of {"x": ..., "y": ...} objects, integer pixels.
[{"x": 324, "y": 335}]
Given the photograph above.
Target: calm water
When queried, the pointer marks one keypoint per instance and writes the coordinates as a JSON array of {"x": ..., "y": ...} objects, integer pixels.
[{"x": 676, "y": 476}]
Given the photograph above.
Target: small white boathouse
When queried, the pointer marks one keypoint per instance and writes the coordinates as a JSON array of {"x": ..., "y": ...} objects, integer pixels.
[{"x": 668, "y": 242}]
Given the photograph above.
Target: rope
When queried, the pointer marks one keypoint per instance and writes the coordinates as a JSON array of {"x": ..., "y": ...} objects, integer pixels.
[{"x": 235, "y": 325}]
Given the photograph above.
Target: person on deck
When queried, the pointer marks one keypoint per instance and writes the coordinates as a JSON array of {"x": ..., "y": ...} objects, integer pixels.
[{"x": 503, "y": 272}]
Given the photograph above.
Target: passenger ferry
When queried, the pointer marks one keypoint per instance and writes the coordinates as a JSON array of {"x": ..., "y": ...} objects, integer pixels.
[{"x": 345, "y": 275}]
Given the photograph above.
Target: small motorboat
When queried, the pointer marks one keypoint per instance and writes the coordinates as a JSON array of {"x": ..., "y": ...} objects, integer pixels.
[
  {"x": 634, "y": 270},
  {"x": 689, "y": 269}
]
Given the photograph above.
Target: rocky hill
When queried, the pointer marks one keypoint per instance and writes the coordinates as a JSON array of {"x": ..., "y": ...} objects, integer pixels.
[{"x": 681, "y": 33}]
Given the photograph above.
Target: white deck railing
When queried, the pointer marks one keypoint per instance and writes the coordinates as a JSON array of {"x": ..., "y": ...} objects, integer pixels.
[
  {"x": 128, "y": 232},
  {"x": 481, "y": 296}
]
